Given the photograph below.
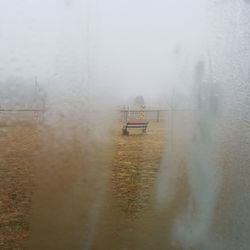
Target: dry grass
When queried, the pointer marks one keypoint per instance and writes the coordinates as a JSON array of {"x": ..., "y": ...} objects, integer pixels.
[
  {"x": 136, "y": 160},
  {"x": 135, "y": 164},
  {"x": 18, "y": 147}
]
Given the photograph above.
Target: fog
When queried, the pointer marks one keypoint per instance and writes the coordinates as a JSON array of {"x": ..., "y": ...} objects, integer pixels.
[
  {"x": 130, "y": 48},
  {"x": 79, "y": 61}
]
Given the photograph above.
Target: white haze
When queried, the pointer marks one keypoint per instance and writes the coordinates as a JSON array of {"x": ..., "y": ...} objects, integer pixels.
[{"x": 130, "y": 46}]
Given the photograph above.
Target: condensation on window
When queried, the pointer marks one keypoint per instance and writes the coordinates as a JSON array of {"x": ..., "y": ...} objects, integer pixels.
[{"x": 124, "y": 124}]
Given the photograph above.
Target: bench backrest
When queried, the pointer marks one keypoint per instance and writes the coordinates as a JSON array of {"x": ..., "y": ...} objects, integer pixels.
[{"x": 136, "y": 124}]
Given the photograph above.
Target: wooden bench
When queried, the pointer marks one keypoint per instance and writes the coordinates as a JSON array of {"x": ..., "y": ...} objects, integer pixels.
[{"x": 137, "y": 124}]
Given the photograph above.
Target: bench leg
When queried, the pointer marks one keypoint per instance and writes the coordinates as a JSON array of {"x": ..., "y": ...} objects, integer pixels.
[{"x": 125, "y": 131}]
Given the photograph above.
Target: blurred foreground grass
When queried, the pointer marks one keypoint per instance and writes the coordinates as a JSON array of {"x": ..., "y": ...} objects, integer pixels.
[{"x": 132, "y": 174}]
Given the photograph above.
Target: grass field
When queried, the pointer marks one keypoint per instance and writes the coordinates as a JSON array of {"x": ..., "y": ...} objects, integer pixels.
[
  {"x": 130, "y": 181},
  {"x": 135, "y": 164},
  {"x": 18, "y": 148}
]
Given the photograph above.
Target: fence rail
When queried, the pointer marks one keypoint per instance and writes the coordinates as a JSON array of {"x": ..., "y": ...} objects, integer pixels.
[
  {"x": 27, "y": 116},
  {"x": 155, "y": 114},
  {"x": 22, "y": 110}
]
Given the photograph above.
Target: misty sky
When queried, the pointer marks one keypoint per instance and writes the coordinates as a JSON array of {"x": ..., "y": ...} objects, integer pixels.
[{"x": 129, "y": 47}]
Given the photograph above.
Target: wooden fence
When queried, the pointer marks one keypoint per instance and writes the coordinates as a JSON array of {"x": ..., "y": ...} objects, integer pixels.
[
  {"x": 150, "y": 114},
  {"x": 21, "y": 116}
]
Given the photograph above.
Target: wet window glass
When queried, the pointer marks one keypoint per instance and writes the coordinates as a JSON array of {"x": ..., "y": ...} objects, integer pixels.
[{"x": 124, "y": 125}]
